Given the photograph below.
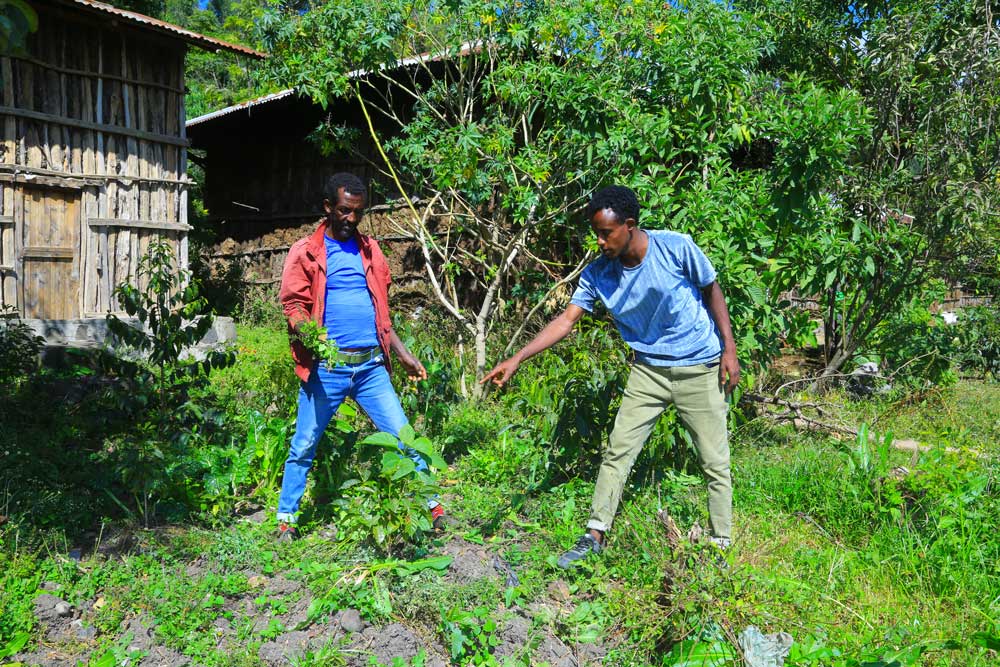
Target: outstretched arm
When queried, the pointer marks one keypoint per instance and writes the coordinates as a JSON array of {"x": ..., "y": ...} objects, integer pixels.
[
  {"x": 729, "y": 366},
  {"x": 553, "y": 332}
]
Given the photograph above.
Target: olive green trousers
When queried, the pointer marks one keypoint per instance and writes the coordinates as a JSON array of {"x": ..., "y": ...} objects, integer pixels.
[{"x": 701, "y": 406}]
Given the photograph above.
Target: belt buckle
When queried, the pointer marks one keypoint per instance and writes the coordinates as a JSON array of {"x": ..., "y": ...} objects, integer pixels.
[{"x": 357, "y": 357}]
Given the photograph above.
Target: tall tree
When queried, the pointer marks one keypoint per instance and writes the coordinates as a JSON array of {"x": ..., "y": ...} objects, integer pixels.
[
  {"x": 919, "y": 200},
  {"x": 519, "y": 110}
]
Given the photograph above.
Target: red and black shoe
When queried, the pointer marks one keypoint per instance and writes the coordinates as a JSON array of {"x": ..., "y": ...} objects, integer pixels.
[
  {"x": 287, "y": 532},
  {"x": 438, "y": 520}
]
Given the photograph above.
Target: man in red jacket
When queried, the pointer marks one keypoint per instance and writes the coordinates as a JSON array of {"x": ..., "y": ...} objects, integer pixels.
[{"x": 339, "y": 278}]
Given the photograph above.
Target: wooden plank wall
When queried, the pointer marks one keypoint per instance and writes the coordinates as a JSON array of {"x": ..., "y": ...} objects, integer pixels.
[
  {"x": 266, "y": 193},
  {"x": 99, "y": 110}
]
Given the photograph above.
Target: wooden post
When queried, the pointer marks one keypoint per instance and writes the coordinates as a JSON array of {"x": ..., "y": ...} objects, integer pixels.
[
  {"x": 182, "y": 174},
  {"x": 8, "y": 281}
]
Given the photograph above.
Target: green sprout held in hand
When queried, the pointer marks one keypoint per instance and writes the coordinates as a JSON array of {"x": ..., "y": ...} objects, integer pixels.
[{"x": 313, "y": 336}]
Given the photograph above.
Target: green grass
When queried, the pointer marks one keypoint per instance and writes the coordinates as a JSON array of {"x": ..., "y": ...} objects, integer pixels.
[{"x": 854, "y": 563}]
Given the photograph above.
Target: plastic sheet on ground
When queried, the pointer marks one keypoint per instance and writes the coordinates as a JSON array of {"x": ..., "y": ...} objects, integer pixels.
[{"x": 760, "y": 650}]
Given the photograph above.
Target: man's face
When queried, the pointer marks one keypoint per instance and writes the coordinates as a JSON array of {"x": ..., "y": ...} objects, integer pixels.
[
  {"x": 344, "y": 216},
  {"x": 613, "y": 236}
]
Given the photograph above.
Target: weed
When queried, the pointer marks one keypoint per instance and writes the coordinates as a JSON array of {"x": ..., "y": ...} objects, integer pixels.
[
  {"x": 470, "y": 635},
  {"x": 327, "y": 655},
  {"x": 387, "y": 501},
  {"x": 19, "y": 347}
]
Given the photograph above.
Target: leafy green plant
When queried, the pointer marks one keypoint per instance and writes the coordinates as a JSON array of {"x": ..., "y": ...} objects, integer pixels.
[
  {"x": 979, "y": 340},
  {"x": 19, "y": 347},
  {"x": 327, "y": 655},
  {"x": 570, "y": 398},
  {"x": 267, "y": 438},
  {"x": 155, "y": 462},
  {"x": 363, "y": 587},
  {"x": 916, "y": 347},
  {"x": 471, "y": 635},
  {"x": 171, "y": 317},
  {"x": 314, "y": 337},
  {"x": 587, "y": 622},
  {"x": 700, "y": 653},
  {"x": 14, "y": 644},
  {"x": 436, "y": 398},
  {"x": 386, "y": 502}
]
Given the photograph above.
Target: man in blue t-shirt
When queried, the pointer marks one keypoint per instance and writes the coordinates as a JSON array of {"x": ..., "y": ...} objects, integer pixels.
[{"x": 662, "y": 292}]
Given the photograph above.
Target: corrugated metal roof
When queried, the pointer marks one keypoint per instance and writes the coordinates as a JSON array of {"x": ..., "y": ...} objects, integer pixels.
[
  {"x": 242, "y": 105},
  {"x": 464, "y": 50},
  {"x": 143, "y": 21}
]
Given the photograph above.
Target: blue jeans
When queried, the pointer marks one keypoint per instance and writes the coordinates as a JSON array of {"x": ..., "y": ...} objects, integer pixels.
[{"x": 367, "y": 383}]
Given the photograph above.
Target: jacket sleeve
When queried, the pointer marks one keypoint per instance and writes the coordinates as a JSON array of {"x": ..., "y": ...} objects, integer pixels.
[
  {"x": 383, "y": 264},
  {"x": 295, "y": 294}
]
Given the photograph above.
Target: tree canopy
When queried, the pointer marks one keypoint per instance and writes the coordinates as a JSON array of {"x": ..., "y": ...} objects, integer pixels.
[{"x": 843, "y": 151}]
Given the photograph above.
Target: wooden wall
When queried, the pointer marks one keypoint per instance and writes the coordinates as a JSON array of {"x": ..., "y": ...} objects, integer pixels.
[
  {"x": 265, "y": 182},
  {"x": 93, "y": 162}
]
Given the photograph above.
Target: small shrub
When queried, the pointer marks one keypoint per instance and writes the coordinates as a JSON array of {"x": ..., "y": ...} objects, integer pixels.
[
  {"x": 433, "y": 399},
  {"x": 386, "y": 502},
  {"x": 162, "y": 460},
  {"x": 916, "y": 347},
  {"x": 979, "y": 340},
  {"x": 19, "y": 347},
  {"x": 570, "y": 397},
  {"x": 259, "y": 306},
  {"x": 471, "y": 635},
  {"x": 468, "y": 426},
  {"x": 508, "y": 455}
]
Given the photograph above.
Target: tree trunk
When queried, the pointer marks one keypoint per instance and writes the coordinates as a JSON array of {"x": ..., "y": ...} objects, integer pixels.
[
  {"x": 477, "y": 389},
  {"x": 841, "y": 354},
  {"x": 463, "y": 388}
]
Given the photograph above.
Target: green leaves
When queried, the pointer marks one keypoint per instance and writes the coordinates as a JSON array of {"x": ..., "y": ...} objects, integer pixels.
[
  {"x": 409, "y": 440},
  {"x": 15, "y": 644},
  {"x": 315, "y": 50},
  {"x": 986, "y": 640},
  {"x": 386, "y": 501},
  {"x": 314, "y": 338},
  {"x": 698, "y": 653},
  {"x": 471, "y": 635}
]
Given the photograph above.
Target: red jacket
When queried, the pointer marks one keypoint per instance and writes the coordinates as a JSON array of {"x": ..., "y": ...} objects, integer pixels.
[{"x": 303, "y": 290}]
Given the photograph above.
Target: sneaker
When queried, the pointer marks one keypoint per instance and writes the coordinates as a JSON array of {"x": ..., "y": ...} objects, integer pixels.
[
  {"x": 722, "y": 543},
  {"x": 438, "y": 521},
  {"x": 584, "y": 546},
  {"x": 287, "y": 532}
]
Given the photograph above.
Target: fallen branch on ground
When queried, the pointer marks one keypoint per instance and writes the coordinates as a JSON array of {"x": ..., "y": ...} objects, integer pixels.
[{"x": 807, "y": 416}]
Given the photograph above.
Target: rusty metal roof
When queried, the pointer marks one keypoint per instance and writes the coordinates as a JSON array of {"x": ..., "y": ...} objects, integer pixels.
[
  {"x": 241, "y": 106},
  {"x": 149, "y": 23}
]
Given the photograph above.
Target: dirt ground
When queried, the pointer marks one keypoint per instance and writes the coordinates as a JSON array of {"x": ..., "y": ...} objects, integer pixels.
[{"x": 526, "y": 635}]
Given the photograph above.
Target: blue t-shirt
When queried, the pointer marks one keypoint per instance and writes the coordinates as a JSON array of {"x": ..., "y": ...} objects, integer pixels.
[
  {"x": 349, "y": 316},
  {"x": 657, "y": 305}
]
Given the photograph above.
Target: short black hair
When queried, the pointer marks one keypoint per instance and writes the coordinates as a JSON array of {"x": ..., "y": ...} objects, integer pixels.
[
  {"x": 619, "y": 199},
  {"x": 349, "y": 182}
]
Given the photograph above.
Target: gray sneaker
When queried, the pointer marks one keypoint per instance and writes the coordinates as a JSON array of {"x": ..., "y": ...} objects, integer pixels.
[
  {"x": 722, "y": 543},
  {"x": 584, "y": 546}
]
